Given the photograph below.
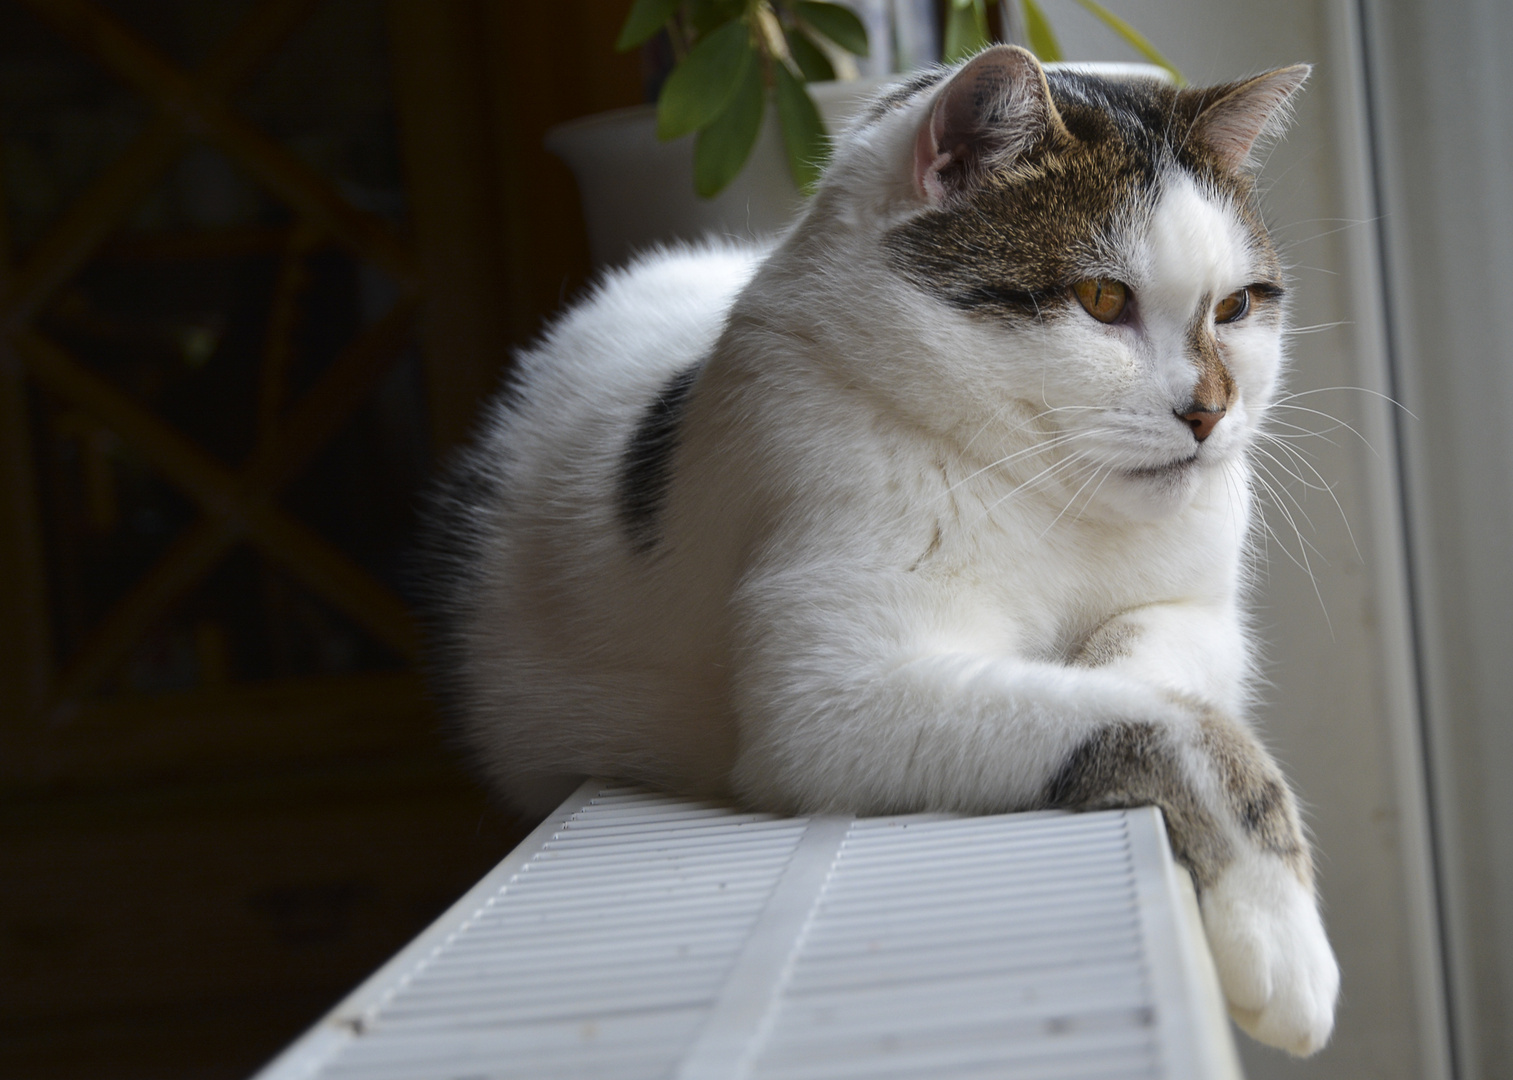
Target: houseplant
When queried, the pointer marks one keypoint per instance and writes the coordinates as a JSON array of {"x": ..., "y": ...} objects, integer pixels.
[
  {"x": 731, "y": 55},
  {"x": 750, "y": 172}
]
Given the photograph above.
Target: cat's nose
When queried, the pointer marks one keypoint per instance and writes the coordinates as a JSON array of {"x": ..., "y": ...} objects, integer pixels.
[{"x": 1202, "y": 421}]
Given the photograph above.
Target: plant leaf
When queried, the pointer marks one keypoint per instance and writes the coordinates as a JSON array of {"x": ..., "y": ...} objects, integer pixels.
[
  {"x": 1132, "y": 37},
  {"x": 1039, "y": 35},
  {"x": 803, "y": 130},
  {"x": 723, "y": 147},
  {"x": 837, "y": 23},
  {"x": 645, "y": 19},
  {"x": 966, "y": 29},
  {"x": 813, "y": 64},
  {"x": 706, "y": 15},
  {"x": 701, "y": 86}
]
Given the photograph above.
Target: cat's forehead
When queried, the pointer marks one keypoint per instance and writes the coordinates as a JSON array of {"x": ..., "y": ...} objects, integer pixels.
[
  {"x": 1126, "y": 187},
  {"x": 1192, "y": 247}
]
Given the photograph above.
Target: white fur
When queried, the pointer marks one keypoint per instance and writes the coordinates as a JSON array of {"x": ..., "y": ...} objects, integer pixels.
[
  {"x": 1273, "y": 957},
  {"x": 891, "y": 527}
]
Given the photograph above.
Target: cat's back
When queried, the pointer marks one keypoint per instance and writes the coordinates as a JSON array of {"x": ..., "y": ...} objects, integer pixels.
[
  {"x": 534, "y": 574},
  {"x": 596, "y": 368}
]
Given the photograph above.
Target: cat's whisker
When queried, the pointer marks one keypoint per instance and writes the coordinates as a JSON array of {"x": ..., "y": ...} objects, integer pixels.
[
  {"x": 1279, "y": 490},
  {"x": 1349, "y": 224},
  {"x": 1327, "y": 416},
  {"x": 1071, "y": 501},
  {"x": 1388, "y": 398},
  {"x": 1108, "y": 470},
  {"x": 1318, "y": 328},
  {"x": 1051, "y": 443},
  {"x": 1285, "y": 443},
  {"x": 1299, "y": 434},
  {"x": 1064, "y": 465},
  {"x": 1290, "y": 471},
  {"x": 1279, "y": 493},
  {"x": 1305, "y": 563},
  {"x": 989, "y": 422},
  {"x": 1322, "y": 485},
  {"x": 1047, "y": 444}
]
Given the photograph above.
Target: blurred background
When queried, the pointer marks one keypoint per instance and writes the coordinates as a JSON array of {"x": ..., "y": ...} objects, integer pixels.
[
  {"x": 261, "y": 259},
  {"x": 258, "y": 263}
]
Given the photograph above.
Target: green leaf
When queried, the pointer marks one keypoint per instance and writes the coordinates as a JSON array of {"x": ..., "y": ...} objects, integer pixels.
[
  {"x": 706, "y": 15},
  {"x": 723, "y": 147},
  {"x": 701, "y": 86},
  {"x": 1039, "y": 35},
  {"x": 803, "y": 130},
  {"x": 813, "y": 64},
  {"x": 1132, "y": 37},
  {"x": 966, "y": 29},
  {"x": 837, "y": 23},
  {"x": 645, "y": 19}
]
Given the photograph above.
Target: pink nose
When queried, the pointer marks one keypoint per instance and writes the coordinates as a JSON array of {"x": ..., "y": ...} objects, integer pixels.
[{"x": 1202, "y": 421}]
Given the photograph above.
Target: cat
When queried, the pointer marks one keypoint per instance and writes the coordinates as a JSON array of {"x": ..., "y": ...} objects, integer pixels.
[{"x": 939, "y": 502}]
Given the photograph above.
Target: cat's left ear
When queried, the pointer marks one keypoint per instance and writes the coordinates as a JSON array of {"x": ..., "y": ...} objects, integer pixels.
[
  {"x": 993, "y": 110},
  {"x": 1231, "y": 120}
]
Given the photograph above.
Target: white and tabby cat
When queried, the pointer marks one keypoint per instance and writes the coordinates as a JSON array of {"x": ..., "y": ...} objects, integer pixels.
[{"x": 939, "y": 504}]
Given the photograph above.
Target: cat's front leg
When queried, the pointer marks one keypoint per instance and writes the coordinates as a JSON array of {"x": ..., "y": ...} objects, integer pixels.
[
  {"x": 858, "y": 692},
  {"x": 1250, "y": 859},
  {"x": 1193, "y": 651},
  {"x": 1233, "y": 822}
]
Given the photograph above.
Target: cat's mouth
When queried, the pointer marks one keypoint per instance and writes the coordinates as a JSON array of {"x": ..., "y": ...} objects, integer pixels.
[{"x": 1170, "y": 470}]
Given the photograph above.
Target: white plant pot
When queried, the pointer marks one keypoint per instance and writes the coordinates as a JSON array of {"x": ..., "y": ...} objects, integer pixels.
[{"x": 638, "y": 191}]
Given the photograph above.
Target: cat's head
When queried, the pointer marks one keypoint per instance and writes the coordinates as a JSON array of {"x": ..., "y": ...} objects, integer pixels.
[{"x": 1090, "y": 257}]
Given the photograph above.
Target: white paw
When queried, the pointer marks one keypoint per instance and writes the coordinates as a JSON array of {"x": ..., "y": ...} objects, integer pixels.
[{"x": 1274, "y": 962}]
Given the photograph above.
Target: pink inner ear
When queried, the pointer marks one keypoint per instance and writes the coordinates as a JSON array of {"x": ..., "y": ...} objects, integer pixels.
[
  {"x": 993, "y": 107},
  {"x": 1232, "y": 125},
  {"x": 929, "y": 159}
]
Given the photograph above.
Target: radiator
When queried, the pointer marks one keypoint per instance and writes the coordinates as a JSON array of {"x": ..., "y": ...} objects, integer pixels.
[{"x": 636, "y": 934}]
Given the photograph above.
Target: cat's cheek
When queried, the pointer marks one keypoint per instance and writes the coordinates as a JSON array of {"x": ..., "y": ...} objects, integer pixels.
[
  {"x": 1273, "y": 957},
  {"x": 1255, "y": 360}
]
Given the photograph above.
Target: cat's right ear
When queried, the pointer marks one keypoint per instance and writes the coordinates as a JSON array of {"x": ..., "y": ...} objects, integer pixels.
[{"x": 992, "y": 111}]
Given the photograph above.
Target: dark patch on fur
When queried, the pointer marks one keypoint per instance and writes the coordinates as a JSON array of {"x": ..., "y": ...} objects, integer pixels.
[
  {"x": 1134, "y": 764},
  {"x": 646, "y": 467},
  {"x": 1258, "y": 796},
  {"x": 1018, "y": 236}
]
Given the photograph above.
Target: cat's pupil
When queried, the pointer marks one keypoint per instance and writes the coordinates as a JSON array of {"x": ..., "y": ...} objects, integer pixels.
[
  {"x": 1232, "y": 307},
  {"x": 1103, "y": 298}
]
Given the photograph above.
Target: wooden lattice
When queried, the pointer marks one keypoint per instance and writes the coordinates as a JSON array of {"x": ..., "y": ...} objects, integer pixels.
[{"x": 236, "y": 503}]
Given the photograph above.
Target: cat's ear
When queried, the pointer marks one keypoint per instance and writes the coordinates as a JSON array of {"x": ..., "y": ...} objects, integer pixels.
[
  {"x": 993, "y": 110},
  {"x": 1230, "y": 120}
]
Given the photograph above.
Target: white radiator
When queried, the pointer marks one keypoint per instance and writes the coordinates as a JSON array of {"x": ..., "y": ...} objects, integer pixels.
[{"x": 640, "y": 935}]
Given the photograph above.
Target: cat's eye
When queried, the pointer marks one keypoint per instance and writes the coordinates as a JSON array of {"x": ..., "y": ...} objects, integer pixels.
[
  {"x": 1103, "y": 298},
  {"x": 1232, "y": 307}
]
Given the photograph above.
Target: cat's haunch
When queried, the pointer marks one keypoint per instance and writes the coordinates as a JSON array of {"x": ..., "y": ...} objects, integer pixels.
[{"x": 939, "y": 503}]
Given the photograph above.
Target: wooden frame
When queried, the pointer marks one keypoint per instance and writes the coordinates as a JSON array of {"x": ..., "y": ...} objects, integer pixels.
[{"x": 235, "y": 505}]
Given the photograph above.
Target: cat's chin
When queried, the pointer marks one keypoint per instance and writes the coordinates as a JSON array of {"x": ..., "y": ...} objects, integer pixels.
[{"x": 1152, "y": 492}]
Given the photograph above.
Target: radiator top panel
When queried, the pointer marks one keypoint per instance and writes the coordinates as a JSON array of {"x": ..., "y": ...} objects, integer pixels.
[{"x": 641, "y": 935}]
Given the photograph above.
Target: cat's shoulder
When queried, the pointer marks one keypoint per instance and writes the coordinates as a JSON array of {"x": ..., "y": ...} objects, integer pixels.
[
  {"x": 669, "y": 279},
  {"x": 659, "y": 313}
]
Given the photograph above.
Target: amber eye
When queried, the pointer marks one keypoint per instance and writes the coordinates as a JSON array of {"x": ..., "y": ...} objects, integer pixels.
[
  {"x": 1232, "y": 307},
  {"x": 1103, "y": 298}
]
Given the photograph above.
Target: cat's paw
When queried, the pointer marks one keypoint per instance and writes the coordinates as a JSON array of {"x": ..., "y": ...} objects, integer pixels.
[{"x": 1274, "y": 961}]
